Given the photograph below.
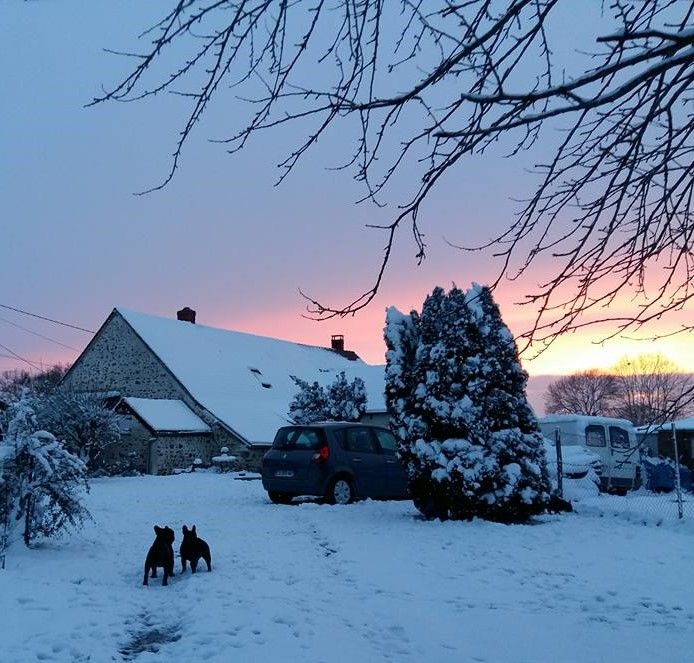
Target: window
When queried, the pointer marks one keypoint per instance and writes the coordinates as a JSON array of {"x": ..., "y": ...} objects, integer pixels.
[
  {"x": 595, "y": 436},
  {"x": 360, "y": 440},
  {"x": 387, "y": 440},
  {"x": 299, "y": 439},
  {"x": 619, "y": 438}
]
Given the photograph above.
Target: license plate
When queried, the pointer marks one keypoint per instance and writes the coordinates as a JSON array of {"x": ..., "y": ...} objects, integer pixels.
[{"x": 284, "y": 473}]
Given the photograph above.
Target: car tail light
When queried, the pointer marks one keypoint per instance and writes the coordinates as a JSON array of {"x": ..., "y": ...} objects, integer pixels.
[{"x": 321, "y": 455}]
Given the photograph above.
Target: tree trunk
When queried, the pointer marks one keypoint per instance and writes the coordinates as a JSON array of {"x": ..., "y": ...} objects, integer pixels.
[{"x": 28, "y": 509}]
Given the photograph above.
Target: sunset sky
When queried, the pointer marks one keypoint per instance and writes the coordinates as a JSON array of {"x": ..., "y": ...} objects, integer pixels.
[{"x": 75, "y": 242}]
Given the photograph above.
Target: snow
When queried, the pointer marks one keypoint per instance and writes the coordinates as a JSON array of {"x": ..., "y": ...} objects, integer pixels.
[
  {"x": 680, "y": 424},
  {"x": 167, "y": 415},
  {"x": 366, "y": 582},
  {"x": 243, "y": 379}
]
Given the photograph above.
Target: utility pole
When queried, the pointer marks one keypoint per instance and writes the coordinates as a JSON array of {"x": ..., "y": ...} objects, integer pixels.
[{"x": 678, "y": 487}]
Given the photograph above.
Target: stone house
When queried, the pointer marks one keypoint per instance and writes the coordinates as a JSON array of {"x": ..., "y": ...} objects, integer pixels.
[{"x": 186, "y": 390}]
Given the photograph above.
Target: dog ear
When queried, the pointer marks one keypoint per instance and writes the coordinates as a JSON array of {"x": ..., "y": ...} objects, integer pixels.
[
  {"x": 157, "y": 530},
  {"x": 193, "y": 530},
  {"x": 185, "y": 529}
]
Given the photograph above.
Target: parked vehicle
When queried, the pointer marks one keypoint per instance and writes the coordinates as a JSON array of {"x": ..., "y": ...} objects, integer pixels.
[
  {"x": 659, "y": 475},
  {"x": 577, "y": 462},
  {"x": 613, "y": 440},
  {"x": 340, "y": 461}
]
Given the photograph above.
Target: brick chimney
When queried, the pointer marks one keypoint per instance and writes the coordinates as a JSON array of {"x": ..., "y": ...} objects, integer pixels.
[
  {"x": 186, "y": 314},
  {"x": 337, "y": 342}
]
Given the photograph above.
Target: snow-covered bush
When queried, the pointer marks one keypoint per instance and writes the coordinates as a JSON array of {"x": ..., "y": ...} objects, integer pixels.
[
  {"x": 456, "y": 393},
  {"x": 309, "y": 404},
  {"x": 339, "y": 401},
  {"x": 83, "y": 423},
  {"x": 44, "y": 481},
  {"x": 346, "y": 401}
]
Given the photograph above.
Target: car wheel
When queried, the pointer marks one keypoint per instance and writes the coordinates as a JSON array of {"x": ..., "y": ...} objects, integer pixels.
[
  {"x": 341, "y": 491},
  {"x": 279, "y": 498}
]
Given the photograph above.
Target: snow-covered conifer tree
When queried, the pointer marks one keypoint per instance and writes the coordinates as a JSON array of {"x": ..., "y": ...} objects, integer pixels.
[
  {"x": 402, "y": 337},
  {"x": 338, "y": 401},
  {"x": 309, "y": 404},
  {"x": 469, "y": 439},
  {"x": 346, "y": 400},
  {"x": 48, "y": 481}
]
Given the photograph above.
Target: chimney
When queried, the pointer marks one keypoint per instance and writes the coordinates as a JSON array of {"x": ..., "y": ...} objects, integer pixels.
[
  {"x": 337, "y": 342},
  {"x": 186, "y": 314}
]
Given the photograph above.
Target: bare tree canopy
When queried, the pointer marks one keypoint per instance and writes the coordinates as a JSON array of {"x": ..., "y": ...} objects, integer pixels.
[
  {"x": 647, "y": 389},
  {"x": 428, "y": 84},
  {"x": 652, "y": 390},
  {"x": 589, "y": 392}
]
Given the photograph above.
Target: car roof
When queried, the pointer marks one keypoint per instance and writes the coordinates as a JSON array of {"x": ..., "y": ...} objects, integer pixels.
[{"x": 332, "y": 424}]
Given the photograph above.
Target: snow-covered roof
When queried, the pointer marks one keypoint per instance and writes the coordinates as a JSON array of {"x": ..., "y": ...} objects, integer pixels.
[
  {"x": 680, "y": 424},
  {"x": 165, "y": 415},
  {"x": 243, "y": 379}
]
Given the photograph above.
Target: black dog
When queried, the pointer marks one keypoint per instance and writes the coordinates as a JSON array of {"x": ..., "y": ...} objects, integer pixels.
[
  {"x": 161, "y": 554},
  {"x": 192, "y": 549},
  {"x": 558, "y": 505}
]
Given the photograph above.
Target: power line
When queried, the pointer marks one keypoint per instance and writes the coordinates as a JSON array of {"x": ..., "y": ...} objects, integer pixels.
[
  {"x": 41, "y": 317},
  {"x": 29, "y": 331},
  {"x": 12, "y": 352}
]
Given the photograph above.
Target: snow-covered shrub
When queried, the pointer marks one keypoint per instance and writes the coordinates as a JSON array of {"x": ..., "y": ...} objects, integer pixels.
[
  {"x": 456, "y": 393},
  {"x": 83, "y": 423},
  {"x": 309, "y": 404},
  {"x": 6, "y": 502},
  {"x": 45, "y": 481},
  {"x": 339, "y": 401},
  {"x": 346, "y": 401}
]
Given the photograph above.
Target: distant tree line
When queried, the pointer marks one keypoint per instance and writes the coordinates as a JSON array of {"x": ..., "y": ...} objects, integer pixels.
[{"x": 646, "y": 389}]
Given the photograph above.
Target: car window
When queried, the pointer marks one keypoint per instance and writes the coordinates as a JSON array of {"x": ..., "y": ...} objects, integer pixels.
[
  {"x": 360, "y": 440},
  {"x": 595, "y": 436},
  {"x": 387, "y": 440},
  {"x": 619, "y": 438},
  {"x": 296, "y": 439}
]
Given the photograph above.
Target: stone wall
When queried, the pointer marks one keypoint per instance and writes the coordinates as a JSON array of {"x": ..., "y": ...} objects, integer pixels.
[
  {"x": 376, "y": 418},
  {"x": 173, "y": 452},
  {"x": 131, "y": 454},
  {"x": 118, "y": 360}
]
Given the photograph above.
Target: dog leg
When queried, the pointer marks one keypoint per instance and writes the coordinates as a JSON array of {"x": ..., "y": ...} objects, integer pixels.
[{"x": 183, "y": 564}]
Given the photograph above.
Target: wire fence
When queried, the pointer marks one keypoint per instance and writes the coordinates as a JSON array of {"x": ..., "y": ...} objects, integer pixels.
[{"x": 629, "y": 483}]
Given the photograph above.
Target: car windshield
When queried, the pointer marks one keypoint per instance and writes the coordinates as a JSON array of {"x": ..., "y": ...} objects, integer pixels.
[
  {"x": 295, "y": 439},
  {"x": 619, "y": 438}
]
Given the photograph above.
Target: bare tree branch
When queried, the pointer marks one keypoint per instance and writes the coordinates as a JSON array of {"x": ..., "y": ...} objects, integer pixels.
[{"x": 429, "y": 84}]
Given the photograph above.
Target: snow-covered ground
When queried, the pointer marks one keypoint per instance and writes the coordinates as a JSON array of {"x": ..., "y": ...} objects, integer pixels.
[{"x": 365, "y": 582}]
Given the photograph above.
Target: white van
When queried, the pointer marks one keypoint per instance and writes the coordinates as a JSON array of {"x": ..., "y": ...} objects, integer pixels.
[{"x": 613, "y": 440}]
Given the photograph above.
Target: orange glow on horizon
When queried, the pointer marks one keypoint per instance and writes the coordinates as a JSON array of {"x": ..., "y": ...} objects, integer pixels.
[
  {"x": 571, "y": 353},
  {"x": 364, "y": 334}
]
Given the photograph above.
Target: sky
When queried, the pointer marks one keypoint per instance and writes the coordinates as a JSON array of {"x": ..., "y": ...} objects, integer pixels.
[{"x": 221, "y": 238}]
